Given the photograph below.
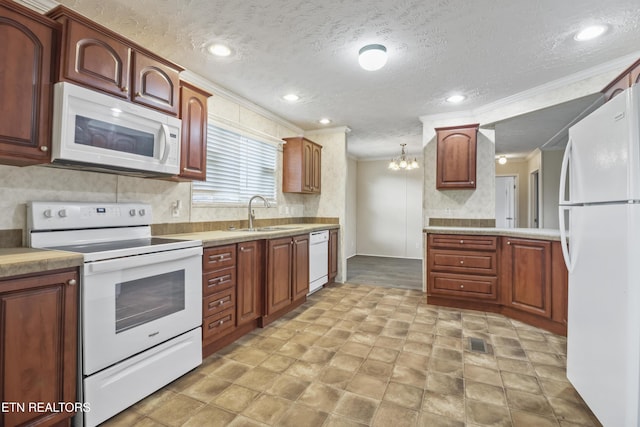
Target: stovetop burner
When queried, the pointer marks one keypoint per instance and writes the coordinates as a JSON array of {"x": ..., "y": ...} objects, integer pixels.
[{"x": 90, "y": 248}]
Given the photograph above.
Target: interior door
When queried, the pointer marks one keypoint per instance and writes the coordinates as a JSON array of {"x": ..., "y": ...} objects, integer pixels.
[{"x": 505, "y": 201}]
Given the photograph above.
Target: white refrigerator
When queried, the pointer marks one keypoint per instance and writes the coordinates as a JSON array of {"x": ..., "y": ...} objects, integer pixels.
[{"x": 600, "y": 232}]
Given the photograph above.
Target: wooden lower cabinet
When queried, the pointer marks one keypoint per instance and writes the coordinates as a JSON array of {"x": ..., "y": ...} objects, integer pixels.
[
  {"x": 38, "y": 349},
  {"x": 525, "y": 279},
  {"x": 526, "y": 275},
  {"x": 249, "y": 285},
  {"x": 287, "y": 281}
]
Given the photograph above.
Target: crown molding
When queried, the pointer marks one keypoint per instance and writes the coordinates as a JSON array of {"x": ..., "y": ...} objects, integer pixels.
[
  {"x": 337, "y": 129},
  {"x": 616, "y": 65},
  {"x": 222, "y": 92},
  {"x": 40, "y": 6}
]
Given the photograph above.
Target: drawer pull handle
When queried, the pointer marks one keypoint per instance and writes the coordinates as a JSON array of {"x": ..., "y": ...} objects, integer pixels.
[{"x": 221, "y": 302}]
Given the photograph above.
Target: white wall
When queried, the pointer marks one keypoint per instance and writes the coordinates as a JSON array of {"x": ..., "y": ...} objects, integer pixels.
[
  {"x": 518, "y": 167},
  {"x": 389, "y": 210},
  {"x": 550, "y": 166},
  {"x": 351, "y": 225}
]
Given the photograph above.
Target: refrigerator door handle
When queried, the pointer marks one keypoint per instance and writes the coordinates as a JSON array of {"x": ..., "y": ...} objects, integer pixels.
[
  {"x": 564, "y": 169},
  {"x": 564, "y": 238}
]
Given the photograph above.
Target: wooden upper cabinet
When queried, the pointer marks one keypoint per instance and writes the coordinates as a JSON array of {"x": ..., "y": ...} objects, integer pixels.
[
  {"x": 193, "y": 112},
  {"x": 155, "y": 85},
  {"x": 456, "y": 157},
  {"x": 94, "y": 59},
  {"x": 98, "y": 58},
  {"x": 27, "y": 42},
  {"x": 302, "y": 166}
]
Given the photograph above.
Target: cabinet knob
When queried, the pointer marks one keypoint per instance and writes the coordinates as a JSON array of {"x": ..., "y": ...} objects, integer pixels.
[
  {"x": 508, "y": 242},
  {"x": 221, "y": 257},
  {"x": 472, "y": 182},
  {"x": 221, "y": 322},
  {"x": 461, "y": 286},
  {"x": 461, "y": 262},
  {"x": 124, "y": 89},
  {"x": 138, "y": 95},
  {"x": 72, "y": 282},
  {"x": 462, "y": 242},
  {"x": 221, "y": 302},
  {"x": 44, "y": 148}
]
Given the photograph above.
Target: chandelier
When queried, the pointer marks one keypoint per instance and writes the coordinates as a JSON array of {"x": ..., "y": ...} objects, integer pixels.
[{"x": 402, "y": 162}]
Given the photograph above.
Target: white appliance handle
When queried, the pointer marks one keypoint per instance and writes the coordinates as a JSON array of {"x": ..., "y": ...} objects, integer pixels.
[
  {"x": 566, "y": 159},
  {"x": 141, "y": 260},
  {"x": 564, "y": 238},
  {"x": 165, "y": 147}
]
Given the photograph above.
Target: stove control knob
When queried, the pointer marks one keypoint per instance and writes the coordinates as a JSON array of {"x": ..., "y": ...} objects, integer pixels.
[
  {"x": 62, "y": 213},
  {"x": 141, "y": 212},
  {"x": 47, "y": 213},
  {"x": 132, "y": 212}
]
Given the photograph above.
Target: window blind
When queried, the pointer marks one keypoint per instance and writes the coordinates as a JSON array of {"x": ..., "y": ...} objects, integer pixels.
[{"x": 238, "y": 167}]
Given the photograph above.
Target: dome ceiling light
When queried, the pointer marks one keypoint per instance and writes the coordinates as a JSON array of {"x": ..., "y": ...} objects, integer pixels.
[
  {"x": 590, "y": 33},
  {"x": 372, "y": 57},
  {"x": 502, "y": 160},
  {"x": 455, "y": 99},
  {"x": 291, "y": 97},
  {"x": 218, "y": 49}
]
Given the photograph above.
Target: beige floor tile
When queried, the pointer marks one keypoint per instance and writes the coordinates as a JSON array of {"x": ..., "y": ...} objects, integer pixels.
[
  {"x": 510, "y": 352},
  {"x": 428, "y": 419},
  {"x": 277, "y": 363},
  {"x": 418, "y": 348},
  {"x": 176, "y": 411},
  {"x": 210, "y": 416},
  {"x": 269, "y": 344},
  {"x": 393, "y": 415},
  {"x": 186, "y": 381},
  {"x": 483, "y": 375},
  {"x": 529, "y": 402},
  {"x": 404, "y": 395},
  {"x": 540, "y": 358},
  {"x": 448, "y": 406},
  {"x": 338, "y": 421},
  {"x": 304, "y": 370},
  {"x": 447, "y": 354},
  {"x": 480, "y": 359},
  {"x": 445, "y": 384},
  {"x": 526, "y": 419},
  {"x": 484, "y": 393},
  {"x": 560, "y": 390},
  {"x": 572, "y": 412},
  {"x": 356, "y": 407},
  {"x": 231, "y": 371},
  {"x": 267, "y": 409},
  {"x": 520, "y": 382},
  {"x": 154, "y": 401},
  {"x": 346, "y": 361},
  {"x": 321, "y": 397},
  {"x": 335, "y": 377},
  {"x": 487, "y": 415},
  {"x": 235, "y": 398},
  {"x": 412, "y": 360},
  {"x": 383, "y": 354},
  {"x": 300, "y": 415},
  {"x": 317, "y": 355},
  {"x": 356, "y": 349},
  {"x": 123, "y": 419},
  {"x": 207, "y": 388},
  {"x": 445, "y": 366},
  {"x": 551, "y": 372},
  {"x": 368, "y": 386},
  {"x": 409, "y": 376},
  {"x": 517, "y": 366},
  {"x": 376, "y": 369},
  {"x": 242, "y": 421},
  {"x": 288, "y": 387},
  {"x": 292, "y": 349},
  {"x": 257, "y": 379}
]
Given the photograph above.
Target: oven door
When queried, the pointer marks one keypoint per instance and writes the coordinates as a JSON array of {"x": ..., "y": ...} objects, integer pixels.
[{"x": 133, "y": 303}]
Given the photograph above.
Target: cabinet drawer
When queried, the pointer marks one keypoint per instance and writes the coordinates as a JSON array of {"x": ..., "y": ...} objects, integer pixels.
[
  {"x": 220, "y": 301},
  {"x": 465, "y": 262},
  {"x": 463, "y": 285},
  {"x": 455, "y": 241},
  {"x": 216, "y": 281},
  {"x": 219, "y": 257},
  {"x": 218, "y": 324}
]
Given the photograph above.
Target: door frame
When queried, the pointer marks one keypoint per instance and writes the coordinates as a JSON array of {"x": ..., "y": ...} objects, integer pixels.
[{"x": 516, "y": 196}]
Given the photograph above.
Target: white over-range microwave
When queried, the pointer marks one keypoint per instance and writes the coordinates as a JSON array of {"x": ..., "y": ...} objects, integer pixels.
[{"x": 95, "y": 131}]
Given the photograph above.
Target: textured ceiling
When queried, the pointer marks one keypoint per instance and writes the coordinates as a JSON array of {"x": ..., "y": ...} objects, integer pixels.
[{"x": 484, "y": 49}]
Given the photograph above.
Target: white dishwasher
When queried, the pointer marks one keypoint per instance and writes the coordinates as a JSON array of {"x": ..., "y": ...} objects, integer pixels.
[{"x": 318, "y": 259}]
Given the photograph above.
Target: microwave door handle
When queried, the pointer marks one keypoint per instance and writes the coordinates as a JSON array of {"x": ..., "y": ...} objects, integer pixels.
[{"x": 165, "y": 148}]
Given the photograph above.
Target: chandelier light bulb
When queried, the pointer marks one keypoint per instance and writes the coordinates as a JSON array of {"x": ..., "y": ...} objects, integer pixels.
[
  {"x": 502, "y": 160},
  {"x": 402, "y": 162},
  {"x": 372, "y": 57}
]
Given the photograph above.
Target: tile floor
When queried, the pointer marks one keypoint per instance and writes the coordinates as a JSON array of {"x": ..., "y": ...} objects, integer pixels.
[{"x": 358, "y": 355}]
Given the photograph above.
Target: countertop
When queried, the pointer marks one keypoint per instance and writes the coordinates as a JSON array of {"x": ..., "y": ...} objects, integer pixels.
[
  {"x": 227, "y": 237},
  {"x": 19, "y": 261},
  {"x": 526, "y": 233}
]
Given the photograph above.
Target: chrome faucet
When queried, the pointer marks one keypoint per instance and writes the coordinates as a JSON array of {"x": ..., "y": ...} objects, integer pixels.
[{"x": 252, "y": 214}]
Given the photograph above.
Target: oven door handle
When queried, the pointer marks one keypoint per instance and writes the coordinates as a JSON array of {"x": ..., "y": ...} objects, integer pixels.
[{"x": 140, "y": 260}]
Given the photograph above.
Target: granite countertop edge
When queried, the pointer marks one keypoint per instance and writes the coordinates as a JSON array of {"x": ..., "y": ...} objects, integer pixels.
[
  {"x": 525, "y": 233},
  {"x": 23, "y": 261}
]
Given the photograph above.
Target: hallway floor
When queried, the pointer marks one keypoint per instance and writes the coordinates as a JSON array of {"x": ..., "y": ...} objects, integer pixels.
[
  {"x": 357, "y": 355},
  {"x": 384, "y": 271}
]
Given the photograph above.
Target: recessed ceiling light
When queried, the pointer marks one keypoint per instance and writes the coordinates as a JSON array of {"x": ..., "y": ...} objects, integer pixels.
[
  {"x": 372, "y": 57},
  {"x": 291, "y": 97},
  {"x": 324, "y": 121},
  {"x": 218, "y": 49},
  {"x": 590, "y": 33},
  {"x": 454, "y": 99}
]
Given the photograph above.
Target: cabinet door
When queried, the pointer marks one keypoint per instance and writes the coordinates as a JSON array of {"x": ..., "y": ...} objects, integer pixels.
[
  {"x": 316, "y": 175},
  {"x": 38, "y": 349},
  {"x": 526, "y": 275},
  {"x": 249, "y": 298},
  {"x": 307, "y": 166},
  {"x": 279, "y": 272},
  {"x": 333, "y": 255},
  {"x": 25, "y": 123},
  {"x": 456, "y": 157},
  {"x": 95, "y": 60},
  {"x": 155, "y": 84},
  {"x": 300, "y": 266},
  {"x": 193, "y": 146},
  {"x": 559, "y": 285}
]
